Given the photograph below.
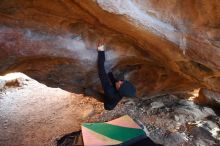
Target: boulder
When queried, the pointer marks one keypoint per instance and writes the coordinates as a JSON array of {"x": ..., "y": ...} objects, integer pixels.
[
  {"x": 208, "y": 97},
  {"x": 162, "y": 47}
]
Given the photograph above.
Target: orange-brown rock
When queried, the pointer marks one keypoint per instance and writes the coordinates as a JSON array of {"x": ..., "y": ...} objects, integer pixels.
[
  {"x": 208, "y": 97},
  {"x": 162, "y": 46}
]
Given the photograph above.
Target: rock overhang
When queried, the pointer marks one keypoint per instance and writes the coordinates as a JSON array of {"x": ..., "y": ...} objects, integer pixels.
[{"x": 55, "y": 42}]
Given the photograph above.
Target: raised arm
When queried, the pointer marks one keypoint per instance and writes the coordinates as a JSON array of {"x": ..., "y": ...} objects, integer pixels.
[{"x": 101, "y": 69}]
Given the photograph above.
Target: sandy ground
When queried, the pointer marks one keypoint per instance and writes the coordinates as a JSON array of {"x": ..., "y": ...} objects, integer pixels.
[{"x": 32, "y": 114}]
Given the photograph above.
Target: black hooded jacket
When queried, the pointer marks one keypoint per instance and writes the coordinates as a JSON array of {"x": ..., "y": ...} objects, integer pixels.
[{"x": 111, "y": 97}]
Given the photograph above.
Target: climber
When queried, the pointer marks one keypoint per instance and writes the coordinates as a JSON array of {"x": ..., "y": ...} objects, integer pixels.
[{"x": 114, "y": 91}]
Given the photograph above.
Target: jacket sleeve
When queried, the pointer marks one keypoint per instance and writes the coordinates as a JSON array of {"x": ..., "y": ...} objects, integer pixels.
[
  {"x": 101, "y": 71},
  {"x": 112, "y": 78}
]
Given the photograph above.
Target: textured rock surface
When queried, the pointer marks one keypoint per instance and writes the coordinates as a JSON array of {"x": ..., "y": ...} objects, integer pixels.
[
  {"x": 161, "y": 46},
  {"x": 178, "y": 122},
  {"x": 208, "y": 97}
]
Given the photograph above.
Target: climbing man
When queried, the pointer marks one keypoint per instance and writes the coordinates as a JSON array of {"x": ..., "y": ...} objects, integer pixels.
[{"x": 116, "y": 90}]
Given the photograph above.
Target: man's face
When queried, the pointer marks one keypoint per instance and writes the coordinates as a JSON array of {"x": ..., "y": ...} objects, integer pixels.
[{"x": 118, "y": 84}]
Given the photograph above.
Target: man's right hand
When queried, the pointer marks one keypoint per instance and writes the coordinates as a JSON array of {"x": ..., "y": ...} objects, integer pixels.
[{"x": 100, "y": 45}]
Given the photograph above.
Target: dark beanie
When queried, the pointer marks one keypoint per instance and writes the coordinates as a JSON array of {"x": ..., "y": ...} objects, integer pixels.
[{"x": 127, "y": 89}]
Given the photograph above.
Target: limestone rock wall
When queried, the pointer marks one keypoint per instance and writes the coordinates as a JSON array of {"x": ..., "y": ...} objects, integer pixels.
[{"x": 161, "y": 46}]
